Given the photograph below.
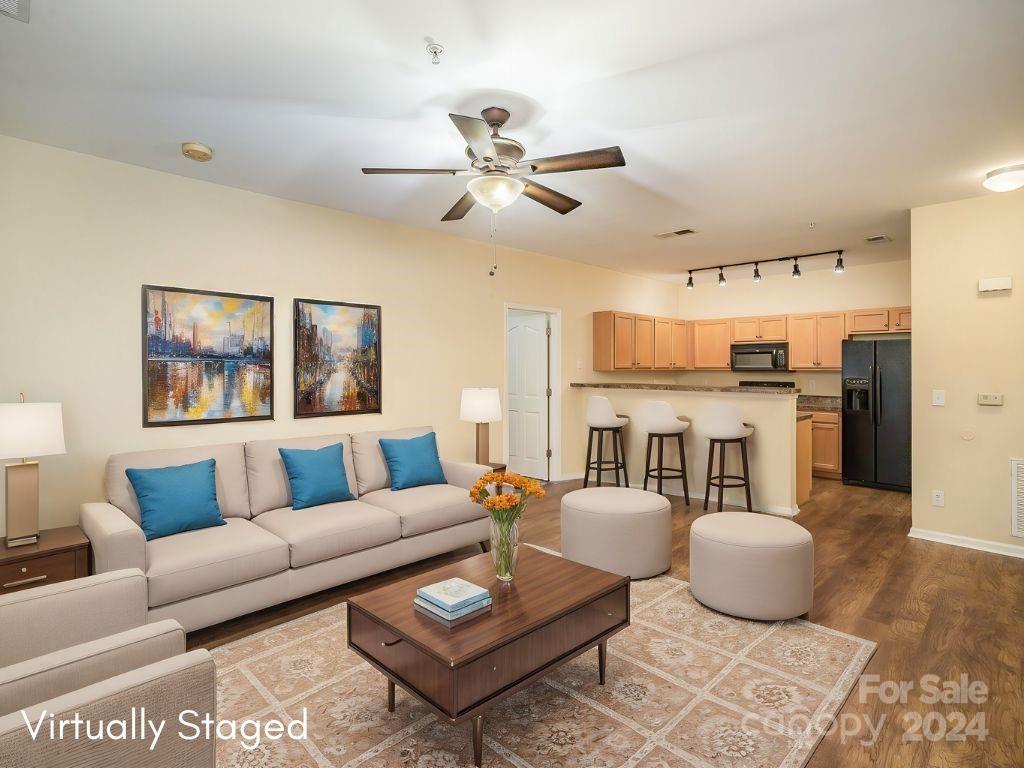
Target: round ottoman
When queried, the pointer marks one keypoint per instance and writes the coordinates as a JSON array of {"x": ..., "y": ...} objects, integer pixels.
[
  {"x": 623, "y": 530},
  {"x": 751, "y": 565}
]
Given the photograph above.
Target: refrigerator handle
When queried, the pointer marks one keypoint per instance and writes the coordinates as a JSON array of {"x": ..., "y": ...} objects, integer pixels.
[{"x": 878, "y": 395}]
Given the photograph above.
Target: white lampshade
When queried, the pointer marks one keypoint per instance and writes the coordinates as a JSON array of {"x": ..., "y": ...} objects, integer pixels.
[
  {"x": 495, "y": 190},
  {"x": 480, "y": 404},
  {"x": 30, "y": 429}
]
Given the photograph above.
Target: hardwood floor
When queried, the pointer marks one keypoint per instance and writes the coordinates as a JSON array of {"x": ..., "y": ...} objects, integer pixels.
[{"x": 933, "y": 609}]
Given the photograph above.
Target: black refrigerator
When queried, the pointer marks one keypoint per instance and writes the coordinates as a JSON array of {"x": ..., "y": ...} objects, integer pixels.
[{"x": 876, "y": 413}]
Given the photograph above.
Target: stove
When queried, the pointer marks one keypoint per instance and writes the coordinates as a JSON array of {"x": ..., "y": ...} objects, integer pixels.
[{"x": 772, "y": 384}]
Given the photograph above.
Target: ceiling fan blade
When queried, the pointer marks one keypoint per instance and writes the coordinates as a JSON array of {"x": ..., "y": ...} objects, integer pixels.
[
  {"x": 609, "y": 157},
  {"x": 477, "y": 136},
  {"x": 445, "y": 171},
  {"x": 556, "y": 201},
  {"x": 460, "y": 209}
]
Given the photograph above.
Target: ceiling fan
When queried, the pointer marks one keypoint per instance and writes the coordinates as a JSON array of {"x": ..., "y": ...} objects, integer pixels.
[{"x": 499, "y": 171}]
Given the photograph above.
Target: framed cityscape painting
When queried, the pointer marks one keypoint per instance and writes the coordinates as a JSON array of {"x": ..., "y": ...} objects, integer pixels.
[
  {"x": 337, "y": 358},
  {"x": 207, "y": 357}
]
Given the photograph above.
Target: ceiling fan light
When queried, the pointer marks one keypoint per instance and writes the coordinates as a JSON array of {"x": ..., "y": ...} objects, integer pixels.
[
  {"x": 495, "y": 191},
  {"x": 1005, "y": 179}
]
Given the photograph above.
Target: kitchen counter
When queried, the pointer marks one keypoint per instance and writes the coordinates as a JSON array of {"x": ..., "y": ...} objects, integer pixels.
[
  {"x": 687, "y": 388},
  {"x": 803, "y": 415},
  {"x": 819, "y": 403}
]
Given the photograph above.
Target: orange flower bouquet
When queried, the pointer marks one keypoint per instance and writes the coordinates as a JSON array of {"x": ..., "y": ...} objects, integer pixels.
[{"x": 505, "y": 507}]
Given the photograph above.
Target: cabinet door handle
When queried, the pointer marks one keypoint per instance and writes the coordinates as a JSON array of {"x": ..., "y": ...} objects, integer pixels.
[{"x": 29, "y": 580}]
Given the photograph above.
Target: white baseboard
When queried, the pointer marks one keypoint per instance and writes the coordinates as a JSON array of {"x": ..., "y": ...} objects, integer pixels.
[{"x": 995, "y": 547}]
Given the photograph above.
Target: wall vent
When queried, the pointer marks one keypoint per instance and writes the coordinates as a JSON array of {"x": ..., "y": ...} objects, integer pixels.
[
  {"x": 16, "y": 9},
  {"x": 1017, "y": 497},
  {"x": 675, "y": 233},
  {"x": 878, "y": 239}
]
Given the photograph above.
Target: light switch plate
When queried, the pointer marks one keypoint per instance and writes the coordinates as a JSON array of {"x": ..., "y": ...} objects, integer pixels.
[
  {"x": 990, "y": 398},
  {"x": 938, "y": 498},
  {"x": 938, "y": 397}
]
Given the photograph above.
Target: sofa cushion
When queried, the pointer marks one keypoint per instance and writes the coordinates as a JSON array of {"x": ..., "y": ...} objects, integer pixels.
[
  {"x": 428, "y": 507},
  {"x": 232, "y": 487},
  {"x": 330, "y": 530},
  {"x": 413, "y": 461},
  {"x": 316, "y": 476},
  {"x": 196, "y": 562},
  {"x": 268, "y": 480},
  {"x": 176, "y": 499},
  {"x": 371, "y": 468}
]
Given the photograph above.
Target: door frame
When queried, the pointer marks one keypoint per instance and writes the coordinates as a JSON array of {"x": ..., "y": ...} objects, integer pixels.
[{"x": 554, "y": 376}]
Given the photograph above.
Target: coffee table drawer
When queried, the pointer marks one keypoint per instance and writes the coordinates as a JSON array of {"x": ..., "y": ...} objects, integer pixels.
[
  {"x": 520, "y": 658},
  {"x": 426, "y": 675}
]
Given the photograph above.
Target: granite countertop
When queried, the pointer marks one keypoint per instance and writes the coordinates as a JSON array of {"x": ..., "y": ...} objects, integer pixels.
[
  {"x": 685, "y": 388},
  {"x": 819, "y": 403},
  {"x": 803, "y": 415}
]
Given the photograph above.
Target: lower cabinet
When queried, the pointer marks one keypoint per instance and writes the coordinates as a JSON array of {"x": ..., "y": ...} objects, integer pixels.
[{"x": 826, "y": 444}]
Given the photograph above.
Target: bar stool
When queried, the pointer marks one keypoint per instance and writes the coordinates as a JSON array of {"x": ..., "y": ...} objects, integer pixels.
[
  {"x": 601, "y": 418},
  {"x": 660, "y": 421},
  {"x": 722, "y": 425}
]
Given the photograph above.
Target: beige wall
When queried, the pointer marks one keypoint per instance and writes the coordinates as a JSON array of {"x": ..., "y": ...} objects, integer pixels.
[
  {"x": 966, "y": 343},
  {"x": 81, "y": 234}
]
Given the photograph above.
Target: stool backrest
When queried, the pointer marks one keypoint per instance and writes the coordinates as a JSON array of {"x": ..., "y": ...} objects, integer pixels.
[
  {"x": 721, "y": 420},
  {"x": 657, "y": 415},
  {"x": 599, "y": 410}
]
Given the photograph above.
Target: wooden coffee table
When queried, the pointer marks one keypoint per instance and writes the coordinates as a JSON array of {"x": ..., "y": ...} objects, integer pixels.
[{"x": 553, "y": 611}]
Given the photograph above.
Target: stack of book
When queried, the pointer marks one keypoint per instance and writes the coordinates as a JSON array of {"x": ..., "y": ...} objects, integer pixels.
[{"x": 452, "y": 602}]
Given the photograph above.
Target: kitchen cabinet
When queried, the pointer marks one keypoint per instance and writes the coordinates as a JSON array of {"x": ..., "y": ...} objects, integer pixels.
[
  {"x": 816, "y": 341},
  {"x": 643, "y": 354},
  {"x": 754, "y": 329},
  {"x": 899, "y": 319},
  {"x": 867, "y": 321},
  {"x": 680, "y": 344},
  {"x": 826, "y": 444},
  {"x": 662, "y": 344},
  {"x": 614, "y": 341},
  {"x": 711, "y": 340}
]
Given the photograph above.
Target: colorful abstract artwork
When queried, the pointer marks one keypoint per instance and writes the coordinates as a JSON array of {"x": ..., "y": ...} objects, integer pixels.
[
  {"x": 207, "y": 357},
  {"x": 337, "y": 358}
]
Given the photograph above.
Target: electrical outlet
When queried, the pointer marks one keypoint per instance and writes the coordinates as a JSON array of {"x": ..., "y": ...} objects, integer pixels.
[
  {"x": 990, "y": 398},
  {"x": 938, "y": 397},
  {"x": 938, "y": 498}
]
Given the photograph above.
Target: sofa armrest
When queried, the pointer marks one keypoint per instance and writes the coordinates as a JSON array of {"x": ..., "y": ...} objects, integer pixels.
[
  {"x": 165, "y": 689},
  {"x": 463, "y": 473},
  {"x": 54, "y": 674},
  {"x": 37, "y": 621},
  {"x": 117, "y": 541}
]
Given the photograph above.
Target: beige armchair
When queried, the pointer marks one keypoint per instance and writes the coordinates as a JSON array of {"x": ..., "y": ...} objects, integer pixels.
[{"x": 84, "y": 647}]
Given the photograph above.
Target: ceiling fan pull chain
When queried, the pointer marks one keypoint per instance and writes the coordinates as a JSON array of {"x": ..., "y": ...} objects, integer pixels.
[{"x": 494, "y": 247}]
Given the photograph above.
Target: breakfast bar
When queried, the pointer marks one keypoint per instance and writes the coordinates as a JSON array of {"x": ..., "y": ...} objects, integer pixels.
[{"x": 772, "y": 446}]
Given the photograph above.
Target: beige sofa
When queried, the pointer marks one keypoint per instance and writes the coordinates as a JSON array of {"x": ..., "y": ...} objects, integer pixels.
[
  {"x": 267, "y": 552},
  {"x": 85, "y": 647}
]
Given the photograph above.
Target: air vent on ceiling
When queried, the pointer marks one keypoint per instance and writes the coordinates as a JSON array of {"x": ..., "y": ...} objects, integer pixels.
[
  {"x": 878, "y": 239},
  {"x": 675, "y": 233},
  {"x": 1017, "y": 497},
  {"x": 16, "y": 9}
]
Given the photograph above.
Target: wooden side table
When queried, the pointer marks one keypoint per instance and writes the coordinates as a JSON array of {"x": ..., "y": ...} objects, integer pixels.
[{"x": 61, "y": 554}]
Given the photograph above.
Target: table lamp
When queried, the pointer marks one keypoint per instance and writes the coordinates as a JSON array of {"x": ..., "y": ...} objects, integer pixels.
[
  {"x": 27, "y": 429},
  {"x": 482, "y": 406}
]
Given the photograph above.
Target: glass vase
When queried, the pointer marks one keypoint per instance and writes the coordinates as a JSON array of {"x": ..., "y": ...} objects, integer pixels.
[{"x": 504, "y": 548}]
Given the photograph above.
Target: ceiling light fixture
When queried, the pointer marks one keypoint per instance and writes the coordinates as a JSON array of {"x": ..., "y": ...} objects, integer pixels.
[
  {"x": 839, "y": 268},
  {"x": 689, "y": 280},
  {"x": 796, "y": 267},
  {"x": 721, "y": 278},
  {"x": 193, "y": 150},
  {"x": 1005, "y": 179},
  {"x": 495, "y": 190},
  {"x": 757, "y": 273},
  {"x": 756, "y": 264}
]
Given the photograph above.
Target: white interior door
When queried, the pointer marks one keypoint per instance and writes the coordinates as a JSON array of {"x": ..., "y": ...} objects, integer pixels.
[{"x": 528, "y": 403}]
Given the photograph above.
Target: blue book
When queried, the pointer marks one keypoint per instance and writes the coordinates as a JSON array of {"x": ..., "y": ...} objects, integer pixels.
[
  {"x": 452, "y": 615},
  {"x": 452, "y": 594}
]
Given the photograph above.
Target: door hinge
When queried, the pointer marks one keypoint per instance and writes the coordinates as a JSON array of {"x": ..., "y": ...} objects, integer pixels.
[
  {"x": 547, "y": 331},
  {"x": 547, "y": 392},
  {"x": 547, "y": 453}
]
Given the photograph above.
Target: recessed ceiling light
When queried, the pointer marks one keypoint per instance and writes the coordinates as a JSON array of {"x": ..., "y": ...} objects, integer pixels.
[
  {"x": 193, "y": 150},
  {"x": 1005, "y": 179}
]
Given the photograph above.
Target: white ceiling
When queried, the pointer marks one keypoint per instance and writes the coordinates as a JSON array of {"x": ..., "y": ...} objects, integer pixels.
[{"x": 743, "y": 120}]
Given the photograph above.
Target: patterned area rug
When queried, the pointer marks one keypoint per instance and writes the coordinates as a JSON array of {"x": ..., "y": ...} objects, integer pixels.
[{"x": 686, "y": 686}]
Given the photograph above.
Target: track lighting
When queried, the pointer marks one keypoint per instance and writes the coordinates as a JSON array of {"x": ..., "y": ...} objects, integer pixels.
[
  {"x": 721, "y": 278},
  {"x": 839, "y": 268},
  {"x": 796, "y": 267},
  {"x": 689, "y": 280},
  {"x": 757, "y": 273}
]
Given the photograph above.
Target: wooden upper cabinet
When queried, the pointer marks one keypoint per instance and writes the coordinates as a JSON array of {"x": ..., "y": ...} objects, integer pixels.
[
  {"x": 680, "y": 344},
  {"x": 662, "y": 344},
  {"x": 772, "y": 328},
  {"x": 754, "y": 329},
  {"x": 831, "y": 330},
  {"x": 643, "y": 354},
  {"x": 625, "y": 342},
  {"x": 899, "y": 319},
  {"x": 614, "y": 341},
  {"x": 745, "y": 329},
  {"x": 711, "y": 339},
  {"x": 867, "y": 321},
  {"x": 803, "y": 342}
]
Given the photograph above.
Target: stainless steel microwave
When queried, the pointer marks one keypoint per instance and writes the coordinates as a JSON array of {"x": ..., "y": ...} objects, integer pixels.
[{"x": 760, "y": 357}]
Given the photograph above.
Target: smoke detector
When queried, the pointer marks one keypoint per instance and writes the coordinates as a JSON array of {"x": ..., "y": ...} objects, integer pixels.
[
  {"x": 16, "y": 9},
  {"x": 874, "y": 239},
  {"x": 193, "y": 150},
  {"x": 675, "y": 233}
]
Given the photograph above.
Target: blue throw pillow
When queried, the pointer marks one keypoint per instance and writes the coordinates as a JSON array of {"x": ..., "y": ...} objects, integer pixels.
[
  {"x": 176, "y": 499},
  {"x": 413, "y": 462},
  {"x": 316, "y": 477}
]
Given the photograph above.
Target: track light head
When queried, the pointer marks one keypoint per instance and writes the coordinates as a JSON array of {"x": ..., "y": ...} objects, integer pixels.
[
  {"x": 689, "y": 280},
  {"x": 796, "y": 268},
  {"x": 757, "y": 273},
  {"x": 839, "y": 268},
  {"x": 721, "y": 278}
]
